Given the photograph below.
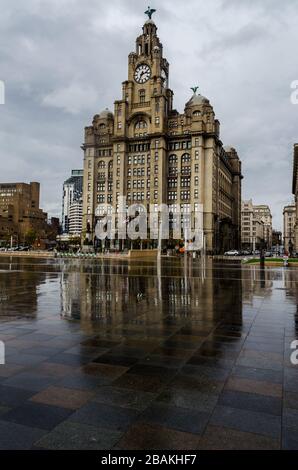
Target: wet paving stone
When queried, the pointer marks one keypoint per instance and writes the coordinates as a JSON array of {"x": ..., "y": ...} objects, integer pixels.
[
  {"x": 63, "y": 397},
  {"x": 125, "y": 398},
  {"x": 36, "y": 415},
  {"x": 264, "y": 375},
  {"x": 192, "y": 399},
  {"x": 254, "y": 386},
  {"x": 11, "y": 396},
  {"x": 18, "y": 437},
  {"x": 194, "y": 365},
  {"x": 72, "y": 436},
  {"x": 181, "y": 419},
  {"x": 151, "y": 437},
  {"x": 248, "y": 421},
  {"x": 152, "y": 384},
  {"x": 30, "y": 381},
  {"x": 251, "y": 401},
  {"x": 105, "y": 416},
  {"x": 220, "y": 438}
]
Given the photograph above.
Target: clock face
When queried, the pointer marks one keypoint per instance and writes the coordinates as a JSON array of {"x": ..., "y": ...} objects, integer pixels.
[{"x": 142, "y": 73}]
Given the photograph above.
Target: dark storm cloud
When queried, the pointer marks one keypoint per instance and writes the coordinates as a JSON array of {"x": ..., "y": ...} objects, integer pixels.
[{"x": 64, "y": 60}]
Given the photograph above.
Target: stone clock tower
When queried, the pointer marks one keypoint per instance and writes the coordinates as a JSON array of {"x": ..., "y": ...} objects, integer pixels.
[{"x": 151, "y": 154}]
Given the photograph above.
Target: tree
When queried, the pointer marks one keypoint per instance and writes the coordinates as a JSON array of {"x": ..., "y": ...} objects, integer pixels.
[{"x": 30, "y": 236}]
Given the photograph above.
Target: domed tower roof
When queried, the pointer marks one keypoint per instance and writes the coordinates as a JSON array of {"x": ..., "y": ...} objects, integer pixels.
[
  {"x": 150, "y": 22},
  {"x": 106, "y": 114},
  {"x": 197, "y": 100}
]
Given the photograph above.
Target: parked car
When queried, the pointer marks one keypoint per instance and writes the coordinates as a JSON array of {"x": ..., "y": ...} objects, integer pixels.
[
  {"x": 232, "y": 253},
  {"x": 256, "y": 252},
  {"x": 268, "y": 254}
]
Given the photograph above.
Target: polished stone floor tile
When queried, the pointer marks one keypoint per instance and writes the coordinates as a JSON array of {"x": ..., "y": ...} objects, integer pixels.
[
  {"x": 205, "y": 371},
  {"x": 122, "y": 397},
  {"x": 290, "y": 400},
  {"x": 145, "y": 369},
  {"x": 30, "y": 381},
  {"x": 199, "y": 383},
  {"x": 11, "y": 396},
  {"x": 8, "y": 370},
  {"x": 69, "y": 359},
  {"x": 291, "y": 380},
  {"x": 36, "y": 415},
  {"x": 290, "y": 438},
  {"x": 18, "y": 437},
  {"x": 142, "y": 383},
  {"x": 221, "y": 438},
  {"x": 105, "y": 416},
  {"x": 172, "y": 352},
  {"x": 124, "y": 361},
  {"x": 251, "y": 401},
  {"x": 248, "y": 421},
  {"x": 219, "y": 362},
  {"x": 290, "y": 418},
  {"x": 185, "y": 398},
  {"x": 83, "y": 382},
  {"x": 252, "y": 373},
  {"x": 103, "y": 370},
  {"x": 72, "y": 436},
  {"x": 163, "y": 361},
  {"x": 261, "y": 359},
  {"x": 27, "y": 359},
  {"x": 54, "y": 370},
  {"x": 143, "y": 436},
  {"x": 63, "y": 397},
  {"x": 254, "y": 386},
  {"x": 180, "y": 419}
]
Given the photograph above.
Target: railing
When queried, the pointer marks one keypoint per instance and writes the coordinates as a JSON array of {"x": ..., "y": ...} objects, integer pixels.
[{"x": 146, "y": 104}]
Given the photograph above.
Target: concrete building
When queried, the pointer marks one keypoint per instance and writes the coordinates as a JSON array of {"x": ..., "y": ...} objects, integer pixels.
[
  {"x": 262, "y": 212},
  {"x": 75, "y": 218},
  {"x": 295, "y": 192},
  {"x": 289, "y": 223},
  {"x": 150, "y": 153},
  {"x": 20, "y": 212},
  {"x": 252, "y": 227},
  {"x": 72, "y": 194}
]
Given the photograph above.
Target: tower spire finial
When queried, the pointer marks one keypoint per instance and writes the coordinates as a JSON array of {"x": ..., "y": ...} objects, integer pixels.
[{"x": 150, "y": 12}]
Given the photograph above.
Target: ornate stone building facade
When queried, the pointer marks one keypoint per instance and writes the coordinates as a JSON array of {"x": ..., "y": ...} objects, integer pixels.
[
  {"x": 289, "y": 222},
  {"x": 151, "y": 154},
  {"x": 262, "y": 212},
  {"x": 252, "y": 228},
  {"x": 295, "y": 192}
]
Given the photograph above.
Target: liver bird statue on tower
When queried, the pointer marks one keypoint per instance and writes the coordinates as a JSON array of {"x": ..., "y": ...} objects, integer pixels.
[{"x": 150, "y": 12}]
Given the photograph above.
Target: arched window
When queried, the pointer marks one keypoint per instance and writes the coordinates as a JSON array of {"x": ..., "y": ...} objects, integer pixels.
[
  {"x": 141, "y": 124},
  {"x": 185, "y": 158},
  {"x": 102, "y": 126},
  {"x": 196, "y": 113},
  {"x": 173, "y": 158},
  {"x": 101, "y": 164}
]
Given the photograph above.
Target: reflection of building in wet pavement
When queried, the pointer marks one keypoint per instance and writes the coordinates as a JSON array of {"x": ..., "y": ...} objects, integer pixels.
[
  {"x": 255, "y": 280},
  {"x": 291, "y": 286},
  {"x": 149, "y": 292},
  {"x": 19, "y": 289}
]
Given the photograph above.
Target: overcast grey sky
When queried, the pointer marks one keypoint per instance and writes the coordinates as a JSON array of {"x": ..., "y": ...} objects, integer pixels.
[{"x": 63, "y": 61}]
